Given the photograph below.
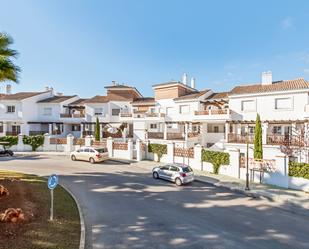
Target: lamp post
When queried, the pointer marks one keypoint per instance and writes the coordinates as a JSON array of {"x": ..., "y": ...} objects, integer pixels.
[{"x": 247, "y": 160}]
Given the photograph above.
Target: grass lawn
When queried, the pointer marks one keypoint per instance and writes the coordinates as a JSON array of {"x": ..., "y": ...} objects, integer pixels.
[{"x": 30, "y": 193}]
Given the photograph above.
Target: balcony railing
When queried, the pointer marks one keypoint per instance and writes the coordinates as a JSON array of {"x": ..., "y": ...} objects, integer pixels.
[
  {"x": 126, "y": 115},
  {"x": 68, "y": 115},
  {"x": 156, "y": 135},
  {"x": 277, "y": 139},
  {"x": 213, "y": 112},
  {"x": 12, "y": 133},
  {"x": 239, "y": 138},
  {"x": 137, "y": 114},
  {"x": 35, "y": 133},
  {"x": 174, "y": 136}
]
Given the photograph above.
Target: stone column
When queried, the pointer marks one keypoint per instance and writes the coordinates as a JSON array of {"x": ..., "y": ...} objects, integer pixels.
[
  {"x": 198, "y": 157},
  {"x": 186, "y": 132},
  {"x": 234, "y": 162},
  {"x": 170, "y": 152},
  {"x": 130, "y": 149},
  {"x": 139, "y": 152},
  {"x": 50, "y": 129},
  {"x": 81, "y": 130},
  {"x": 264, "y": 129},
  {"x": 165, "y": 131},
  {"x": 5, "y": 128},
  {"x": 109, "y": 145},
  {"x": 69, "y": 146},
  {"x": 88, "y": 140},
  {"x": 46, "y": 144},
  {"x": 227, "y": 131},
  {"x": 20, "y": 144}
]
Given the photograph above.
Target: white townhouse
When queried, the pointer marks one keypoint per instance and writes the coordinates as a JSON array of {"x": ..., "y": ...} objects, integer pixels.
[{"x": 16, "y": 110}]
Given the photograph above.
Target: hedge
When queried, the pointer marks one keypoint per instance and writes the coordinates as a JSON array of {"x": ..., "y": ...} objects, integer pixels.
[
  {"x": 159, "y": 149},
  {"x": 12, "y": 140},
  {"x": 299, "y": 169},
  {"x": 34, "y": 141},
  {"x": 217, "y": 159}
]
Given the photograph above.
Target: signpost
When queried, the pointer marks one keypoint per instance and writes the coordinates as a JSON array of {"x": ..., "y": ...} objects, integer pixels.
[{"x": 52, "y": 183}]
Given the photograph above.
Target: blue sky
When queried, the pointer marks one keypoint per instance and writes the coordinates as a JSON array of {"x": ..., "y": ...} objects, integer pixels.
[{"x": 78, "y": 47}]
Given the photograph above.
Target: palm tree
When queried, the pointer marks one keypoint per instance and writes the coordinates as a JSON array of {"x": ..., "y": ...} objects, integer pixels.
[{"x": 8, "y": 71}]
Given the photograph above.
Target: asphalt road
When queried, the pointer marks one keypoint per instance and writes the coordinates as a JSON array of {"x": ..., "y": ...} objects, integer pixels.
[{"x": 125, "y": 208}]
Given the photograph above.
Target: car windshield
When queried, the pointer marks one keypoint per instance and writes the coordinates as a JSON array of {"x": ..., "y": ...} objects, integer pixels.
[
  {"x": 187, "y": 169},
  {"x": 102, "y": 150}
]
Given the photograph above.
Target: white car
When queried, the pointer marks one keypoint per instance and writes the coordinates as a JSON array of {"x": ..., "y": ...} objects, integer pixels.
[
  {"x": 178, "y": 173},
  {"x": 90, "y": 154}
]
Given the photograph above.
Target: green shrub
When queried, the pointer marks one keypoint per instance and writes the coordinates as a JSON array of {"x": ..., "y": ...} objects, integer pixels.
[
  {"x": 159, "y": 149},
  {"x": 11, "y": 140},
  {"x": 34, "y": 141},
  {"x": 217, "y": 159},
  {"x": 299, "y": 169},
  {"x": 97, "y": 132}
]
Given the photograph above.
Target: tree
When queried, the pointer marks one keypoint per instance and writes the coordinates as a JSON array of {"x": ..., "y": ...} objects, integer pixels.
[
  {"x": 258, "y": 141},
  {"x": 97, "y": 130},
  {"x": 8, "y": 70}
]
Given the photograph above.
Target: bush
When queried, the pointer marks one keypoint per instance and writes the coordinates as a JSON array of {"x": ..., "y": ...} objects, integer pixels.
[
  {"x": 216, "y": 158},
  {"x": 34, "y": 141},
  {"x": 11, "y": 140},
  {"x": 299, "y": 169},
  {"x": 158, "y": 149}
]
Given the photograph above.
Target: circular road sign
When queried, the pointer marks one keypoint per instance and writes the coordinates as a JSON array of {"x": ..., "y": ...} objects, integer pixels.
[{"x": 52, "y": 181}]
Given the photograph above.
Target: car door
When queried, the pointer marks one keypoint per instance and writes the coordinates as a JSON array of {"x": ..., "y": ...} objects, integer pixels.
[
  {"x": 78, "y": 154},
  {"x": 163, "y": 171},
  {"x": 86, "y": 154},
  {"x": 173, "y": 172}
]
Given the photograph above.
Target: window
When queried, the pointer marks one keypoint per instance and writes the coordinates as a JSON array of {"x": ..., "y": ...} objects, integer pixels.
[
  {"x": 247, "y": 105},
  {"x": 152, "y": 110},
  {"x": 166, "y": 167},
  {"x": 98, "y": 111},
  {"x": 251, "y": 129},
  {"x": 216, "y": 129},
  {"x": 153, "y": 126},
  {"x": 170, "y": 111},
  {"x": 1, "y": 127},
  {"x": 184, "y": 109},
  {"x": 10, "y": 109},
  {"x": 75, "y": 127},
  {"x": 115, "y": 112},
  {"x": 283, "y": 103},
  {"x": 277, "y": 130},
  {"x": 86, "y": 150},
  {"x": 47, "y": 111},
  {"x": 174, "y": 168}
]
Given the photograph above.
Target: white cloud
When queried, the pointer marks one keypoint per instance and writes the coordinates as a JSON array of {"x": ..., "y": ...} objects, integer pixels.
[{"x": 286, "y": 23}]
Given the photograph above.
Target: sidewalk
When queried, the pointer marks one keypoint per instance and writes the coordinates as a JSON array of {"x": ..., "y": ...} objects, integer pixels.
[
  {"x": 288, "y": 199},
  {"x": 41, "y": 153}
]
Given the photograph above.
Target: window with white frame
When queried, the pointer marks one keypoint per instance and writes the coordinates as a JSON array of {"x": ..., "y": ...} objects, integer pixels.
[
  {"x": 98, "y": 111},
  {"x": 10, "y": 109},
  {"x": 170, "y": 111},
  {"x": 283, "y": 103},
  {"x": 1, "y": 127},
  {"x": 115, "y": 112},
  {"x": 277, "y": 130},
  {"x": 184, "y": 109},
  {"x": 153, "y": 126},
  {"x": 248, "y": 105},
  {"x": 47, "y": 111}
]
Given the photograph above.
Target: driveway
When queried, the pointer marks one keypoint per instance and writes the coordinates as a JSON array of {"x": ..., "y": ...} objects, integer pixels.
[{"x": 125, "y": 208}]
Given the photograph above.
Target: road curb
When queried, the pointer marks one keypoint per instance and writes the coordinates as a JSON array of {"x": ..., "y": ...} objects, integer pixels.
[
  {"x": 289, "y": 205},
  {"x": 81, "y": 218}
]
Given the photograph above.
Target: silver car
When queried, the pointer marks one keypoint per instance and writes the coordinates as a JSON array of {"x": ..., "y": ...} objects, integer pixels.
[{"x": 178, "y": 173}]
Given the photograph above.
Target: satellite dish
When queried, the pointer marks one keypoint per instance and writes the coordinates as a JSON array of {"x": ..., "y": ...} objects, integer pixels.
[{"x": 112, "y": 130}]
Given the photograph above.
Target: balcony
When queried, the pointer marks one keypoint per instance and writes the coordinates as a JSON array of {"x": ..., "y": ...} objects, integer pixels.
[
  {"x": 35, "y": 133},
  {"x": 68, "y": 115},
  {"x": 140, "y": 115},
  {"x": 156, "y": 135},
  {"x": 240, "y": 139},
  {"x": 174, "y": 136},
  {"x": 213, "y": 112},
  {"x": 287, "y": 140},
  {"x": 12, "y": 133}
]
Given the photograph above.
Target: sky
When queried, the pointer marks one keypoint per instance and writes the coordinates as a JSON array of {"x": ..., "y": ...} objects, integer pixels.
[{"x": 80, "y": 46}]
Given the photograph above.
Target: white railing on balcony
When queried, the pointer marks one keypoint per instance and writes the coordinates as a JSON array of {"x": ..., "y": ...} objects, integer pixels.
[
  {"x": 68, "y": 115},
  {"x": 213, "y": 112}
]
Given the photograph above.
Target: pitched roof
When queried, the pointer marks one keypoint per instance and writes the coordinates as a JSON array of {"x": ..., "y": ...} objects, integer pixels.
[
  {"x": 56, "y": 99},
  {"x": 97, "y": 99},
  {"x": 124, "y": 87},
  {"x": 283, "y": 85},
  {"x": 20, "y": 95},
  {"x": 222, "y": 95},
  {"x": 146, "y": 101},
  {"x": 173, "y": 83},
  {"x": 194, "y": 95},
  {"x": 78, "y": 102}
]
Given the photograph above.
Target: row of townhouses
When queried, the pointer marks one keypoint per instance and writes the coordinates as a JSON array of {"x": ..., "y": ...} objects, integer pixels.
[{"x": 177, "y": 113}]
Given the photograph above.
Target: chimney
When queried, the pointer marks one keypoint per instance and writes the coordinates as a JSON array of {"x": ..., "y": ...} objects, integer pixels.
[
  {"x": 193, "y": 82},
  {"x": 267, "y": 78},
  {"x": 184, "y": 79},
  {"x": 8, "y": 89},
  {"x": 114, "y": 83}
]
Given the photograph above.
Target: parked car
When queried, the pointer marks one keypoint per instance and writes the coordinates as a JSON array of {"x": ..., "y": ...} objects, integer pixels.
[
  {"x": 4, "y": 152},
  {"x": 178, "y": 173},
  {"x": 90, "y": 154}
]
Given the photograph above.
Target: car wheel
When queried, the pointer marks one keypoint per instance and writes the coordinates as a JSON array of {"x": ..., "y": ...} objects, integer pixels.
[
  {"x": 155, "y": 175},
  {"x": 73, "y": 158},
  {"x": 91, "y": 160},
  {"x": 178, "y": 182}
]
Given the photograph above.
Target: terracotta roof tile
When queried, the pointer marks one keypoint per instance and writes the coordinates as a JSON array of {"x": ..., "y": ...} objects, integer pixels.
[
  {"x": 97, "y": 99},
  {"x": 194, "y": 95},
  {"x": 284, "y": 85},
  {"x": 56, "y": 99},
  {"x": 20, "y": 95},
  {"x": 78, "y": 102},
  {"x": 222, "y": 95},
  {"x": 145, "y": 100}
]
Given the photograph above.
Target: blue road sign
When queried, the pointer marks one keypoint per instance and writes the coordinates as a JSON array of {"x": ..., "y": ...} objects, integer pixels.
[{"x": 52, "y": 181}]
